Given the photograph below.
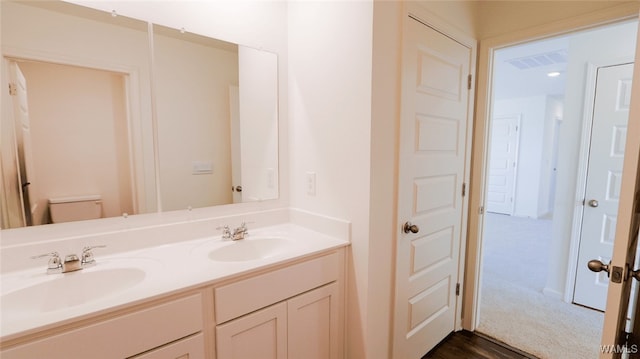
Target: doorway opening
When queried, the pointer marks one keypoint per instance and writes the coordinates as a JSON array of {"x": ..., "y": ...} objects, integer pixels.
[
  {"x": 70, "y": 126},
  {"x": 540, "y": 164}
]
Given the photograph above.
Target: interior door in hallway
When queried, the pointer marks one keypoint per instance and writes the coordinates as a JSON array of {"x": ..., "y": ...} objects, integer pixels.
[
  {"x": 604, "y": 175},
  {"x": 433, "y": 128},
  {"x": 18, "y": 92},
  {"x": 502, "y": 164}
]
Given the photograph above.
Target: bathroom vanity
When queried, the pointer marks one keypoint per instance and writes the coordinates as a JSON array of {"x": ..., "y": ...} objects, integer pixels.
[{"x": 279, "y": 293}]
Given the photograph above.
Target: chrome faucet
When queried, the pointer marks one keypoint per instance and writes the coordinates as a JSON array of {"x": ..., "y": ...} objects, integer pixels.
[
  {"x": 240, "y": 232},
  {"x": 226, "y": 232},
  {"x": 87, "y": 256},
  {"x": 54, "y": 265},
  {"x": 237, "y": 234},
  {"x": 71, "y": 262}
]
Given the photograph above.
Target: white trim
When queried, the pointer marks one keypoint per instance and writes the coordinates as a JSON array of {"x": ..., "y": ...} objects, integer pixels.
[
  {"x": 583, "y": 164},
  {"x": 483, "y": 110},
  {"x": 552, "y": 293},
  {"x": 415, "y": 10}
]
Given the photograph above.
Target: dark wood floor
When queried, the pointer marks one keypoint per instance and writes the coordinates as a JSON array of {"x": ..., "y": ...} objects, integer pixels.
[{"x": 468, "y": 345}]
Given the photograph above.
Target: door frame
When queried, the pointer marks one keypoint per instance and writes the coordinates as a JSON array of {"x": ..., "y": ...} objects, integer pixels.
[
  {"x": 471, "y": 302},
  {"x": 133, "y": 109},
  {"x": 581, "y": 181}
]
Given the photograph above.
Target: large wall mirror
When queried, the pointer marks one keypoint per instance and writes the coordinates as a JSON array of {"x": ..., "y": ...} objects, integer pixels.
[
  {"x": 88, "y": 118},
  {"x": 217, "y": 120}
]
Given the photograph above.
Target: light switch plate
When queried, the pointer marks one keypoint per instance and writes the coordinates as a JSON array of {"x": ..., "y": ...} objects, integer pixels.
[{"x": 201, "y": 167}]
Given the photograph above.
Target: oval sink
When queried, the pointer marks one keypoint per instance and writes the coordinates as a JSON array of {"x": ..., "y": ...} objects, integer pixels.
[
  {"x": 71, "y": 289},
  {"x": 250, "y": 249}
]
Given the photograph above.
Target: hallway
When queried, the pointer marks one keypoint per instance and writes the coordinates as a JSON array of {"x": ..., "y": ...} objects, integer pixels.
[{"x": 513, "y": 308}]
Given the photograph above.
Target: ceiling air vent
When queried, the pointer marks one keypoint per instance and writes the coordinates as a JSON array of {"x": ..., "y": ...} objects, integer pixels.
[{"x": 538, "y": 60}]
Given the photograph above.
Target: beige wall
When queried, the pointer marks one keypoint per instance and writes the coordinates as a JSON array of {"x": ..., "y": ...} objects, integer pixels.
[
  {"x": 330, "y": 45},
  {"x": 497, "y": 18}
]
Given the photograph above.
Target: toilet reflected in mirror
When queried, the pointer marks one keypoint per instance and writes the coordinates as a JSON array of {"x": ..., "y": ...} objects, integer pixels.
[{"x": 70, "y": 209}]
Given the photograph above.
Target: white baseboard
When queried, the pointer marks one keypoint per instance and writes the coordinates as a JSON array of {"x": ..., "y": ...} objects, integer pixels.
[{"x": 552, "y": 293}]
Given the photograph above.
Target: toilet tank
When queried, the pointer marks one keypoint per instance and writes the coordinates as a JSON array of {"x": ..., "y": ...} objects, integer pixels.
[{"x": 69, "y": 209}]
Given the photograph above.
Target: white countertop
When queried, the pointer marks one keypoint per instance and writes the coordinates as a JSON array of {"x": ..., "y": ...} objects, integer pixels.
[{"x": 150, "y": 272}]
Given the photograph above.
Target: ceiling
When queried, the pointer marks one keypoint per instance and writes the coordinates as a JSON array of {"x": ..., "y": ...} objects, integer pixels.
[{"x": 521, "y": 71}]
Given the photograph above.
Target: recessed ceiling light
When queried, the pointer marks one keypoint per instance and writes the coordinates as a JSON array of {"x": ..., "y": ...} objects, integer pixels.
[{"x": 553, "y": 74}]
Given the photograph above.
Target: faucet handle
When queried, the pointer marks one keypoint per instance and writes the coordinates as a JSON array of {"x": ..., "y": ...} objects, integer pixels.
[
  {"x": 51, "y": 254},
  {"x": 226, "y": 232},
  {"x": 89, "y": 248},
  {"x": 87, "y": 255},
  {"x": 54, "y": 265},
  {"x": 243, "y": 225}
]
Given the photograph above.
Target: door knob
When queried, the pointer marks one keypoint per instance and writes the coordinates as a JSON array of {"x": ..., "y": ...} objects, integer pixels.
[
  {"x": 593, "y": 203},
  {"x": 408, "y": 227},
  {"x": 614, "y": 272},
  {"x": 597, "y": 266}
]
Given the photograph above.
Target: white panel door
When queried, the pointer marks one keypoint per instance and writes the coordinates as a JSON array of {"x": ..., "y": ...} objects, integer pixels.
[
  {"x": 23, "y": 140},
  {"x": 434, "y": 120},
  {"x": 604, "y": 175},
  {"x": 503, "y": 157}
]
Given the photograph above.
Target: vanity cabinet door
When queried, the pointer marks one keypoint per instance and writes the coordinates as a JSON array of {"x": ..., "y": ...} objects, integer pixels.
[
  {"x": 188, "y": 348},
  {"x": 314, "y": 329},
  {"x": 262, "y": 334}
]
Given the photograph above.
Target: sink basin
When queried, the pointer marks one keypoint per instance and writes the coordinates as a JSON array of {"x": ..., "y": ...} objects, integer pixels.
[
  {"x": 71, "y": 289},
  {"x": 250, "y": 249}
]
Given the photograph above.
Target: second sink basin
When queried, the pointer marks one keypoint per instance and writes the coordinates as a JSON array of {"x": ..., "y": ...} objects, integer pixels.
[
  {"x": 250, "y": 249},
  {"x": 71, "y": 289}
]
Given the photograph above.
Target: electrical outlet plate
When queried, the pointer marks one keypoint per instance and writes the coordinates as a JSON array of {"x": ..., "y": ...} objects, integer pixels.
[{"x": 311, "y": 183}]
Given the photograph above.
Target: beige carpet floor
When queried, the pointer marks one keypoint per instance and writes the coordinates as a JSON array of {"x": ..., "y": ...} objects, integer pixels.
[{"x": 513, "y": 308}]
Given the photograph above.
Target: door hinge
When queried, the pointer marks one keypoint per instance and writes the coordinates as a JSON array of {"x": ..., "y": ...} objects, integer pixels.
[
  {"x": 457, "y": 289},
  {"x": 464, "y": 189},
  {"x": 469, "y": 82},
  {"x": 13, "y": 90},
  {"x": 481, "y": 210}
]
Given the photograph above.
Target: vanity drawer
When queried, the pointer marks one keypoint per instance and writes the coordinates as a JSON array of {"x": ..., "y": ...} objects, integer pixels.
[
  {"x": 122, "y": 336},
  {"x": 248, "y": 295},
  {"x": 188, "y": 348}
]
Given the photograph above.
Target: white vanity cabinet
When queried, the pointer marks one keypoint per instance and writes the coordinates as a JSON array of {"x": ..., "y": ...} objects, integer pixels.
[
  {"x": 293, "y": 309},
  {"x": 294, "y": 312},
  {"x": 124, "y": 334}
]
